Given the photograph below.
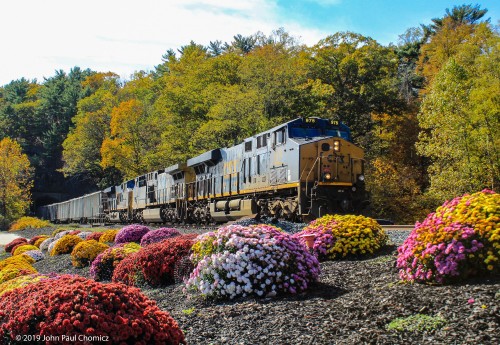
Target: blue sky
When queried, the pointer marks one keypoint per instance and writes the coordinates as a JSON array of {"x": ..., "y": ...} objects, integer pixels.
[{"x": 123, "y": 36}]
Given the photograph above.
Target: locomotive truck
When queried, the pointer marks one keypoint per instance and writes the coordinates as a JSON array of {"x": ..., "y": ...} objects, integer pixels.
[{"x": 304, "y": 168}]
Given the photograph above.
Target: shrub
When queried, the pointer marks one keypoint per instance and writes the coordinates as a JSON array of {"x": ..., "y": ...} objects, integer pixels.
[
  {"x": 108, "y": 236},
  {"x": 131, "y": 233},
  {"x": 23, "y": 248},
  {"x": 94, "y": 236},
  {"x": 46, "y": 244},
  {"x": 14, "y": 270},
  {"x": 35, "y": 254},
  {"x": 61, "y": 234},
  {"x": 36, "y": 238},
  {"x": 9, "y": 246},
  {"x": 58, "y": 231},
  {"x": 255, "y": 260},
  {"x": 86, "y": 251},
  {"x": 28, "y": 222},
  {"x": 75, "y": 306},
  {"x": 21, "y": 281},
  {"x": 154, "y": 264},
  {"x": 84, "y": 234},
  {"x": 74, "y": 232},
  {"x": 159, "y": 235},
  {"x": 18, "y": 259},
  {"x": 65, "y": 245},
  {"x": 343, "y": 235},
  {"x": 104, "y": 265},
  {"x": 460, "y": 239}
]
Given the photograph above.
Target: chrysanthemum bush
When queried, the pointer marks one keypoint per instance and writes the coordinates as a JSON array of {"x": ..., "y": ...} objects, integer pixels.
[
  {"x": 158, "y": 235},
  {"x": 38, "y": 238},
  {"x": 23, "y": 248},
  {"x": 65, "y": 245},
  {"x": 86, "y": 251},
  {"x": 44, "y": 246},
  {"x": 13, "y": 270},
  {"x": 58, "y": 230},
  {"x": 94, "y": 236},
  {"x": 28, "y": 222},
  {"x": 255, "y": 260},
  {"x": 460, "y": 239},
  {"x": 23, "y": 281},
  {"x": 154, "y": 264},
  {"x": 108, "y": 236},
  {"x": 131, "y": 233},
  {"x": 339, "y": 236},
  {"x": 74, "y": 232},
  {"x": 84, "y": 234},
  {"x": 9, "y": 246},
  {"x": 76, "y": 306},
  {"x": 36, "y": 254},
  {"x": 104, "y": 264},
  {"x": 24, "y": 259}
]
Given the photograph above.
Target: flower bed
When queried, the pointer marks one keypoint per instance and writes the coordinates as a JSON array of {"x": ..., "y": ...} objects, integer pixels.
[
  {"x": 343, "y": 235},
  {"x": 76, "y": 306},
  {"x": 108, "y": 236},
  {"x": 256, "y": 260},
  {"x": 28, "y": 222},
  {"x": 131, "y": 233},
  {"x": 460, "y": 239},
  {"x": 159, "y": 235},
  {"x": 154, "y": 264},
  {"x": 104, "y": 265},
  {"x": 64, "y": 245},
  {"x": 86, "y": 251},
  {"x": 9, "y": 246}
]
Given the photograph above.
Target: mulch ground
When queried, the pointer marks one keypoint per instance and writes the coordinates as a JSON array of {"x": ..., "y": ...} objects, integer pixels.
[{"x": 353, "y": 303}]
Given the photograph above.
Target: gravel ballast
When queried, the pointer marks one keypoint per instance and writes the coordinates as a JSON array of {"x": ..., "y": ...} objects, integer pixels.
[{"x": 353, "y": 303}]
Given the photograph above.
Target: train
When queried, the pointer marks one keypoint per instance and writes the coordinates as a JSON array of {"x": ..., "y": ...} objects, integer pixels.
[{"x": 299, "y": 170}]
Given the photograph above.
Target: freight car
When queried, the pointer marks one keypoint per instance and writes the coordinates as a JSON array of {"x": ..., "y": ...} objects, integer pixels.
[{"x": 304, "y": 168}]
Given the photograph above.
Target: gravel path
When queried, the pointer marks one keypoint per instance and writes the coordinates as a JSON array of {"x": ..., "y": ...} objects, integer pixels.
[{"x": 351, "y": 304}]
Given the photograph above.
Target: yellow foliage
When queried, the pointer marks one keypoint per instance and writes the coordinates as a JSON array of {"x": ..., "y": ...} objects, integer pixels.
[
  {"x": 15, "y": 181},
  {"x": 24, "y": 248},
  {"x": 86, "y": 251},
  {"x": 14, "y": 270},
  {"x": 19, "y": 282},
  {"x": 65, "y": 245},
  {"x": 108, "y": 236},
  {"x": 28, "y": 222},
  {"x": 19, "y": 259}
]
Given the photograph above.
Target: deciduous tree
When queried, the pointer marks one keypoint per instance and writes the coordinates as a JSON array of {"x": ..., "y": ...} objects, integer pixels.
[{"x": 15, "y": 181}]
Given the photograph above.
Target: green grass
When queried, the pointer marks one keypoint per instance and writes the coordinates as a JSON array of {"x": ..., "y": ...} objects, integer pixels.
[
  {"x": 188, "y": 311},
  {"x": 416, "y": 323}
]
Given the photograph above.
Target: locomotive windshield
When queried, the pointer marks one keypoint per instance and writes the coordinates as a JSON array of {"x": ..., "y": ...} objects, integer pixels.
[{"x": 314, "y": 127}]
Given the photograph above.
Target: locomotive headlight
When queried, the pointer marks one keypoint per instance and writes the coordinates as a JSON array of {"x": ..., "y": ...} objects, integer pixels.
[
  {"x": 361, "y": 178},
  {"x": 336, "y": 146},
  {"x": 327, "y": 176}
]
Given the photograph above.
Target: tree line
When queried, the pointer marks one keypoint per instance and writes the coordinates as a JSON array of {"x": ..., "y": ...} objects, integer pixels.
[{"x": 426, "y": 110}]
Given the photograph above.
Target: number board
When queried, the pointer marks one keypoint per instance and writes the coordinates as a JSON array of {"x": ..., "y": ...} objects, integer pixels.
[
  {"x": 311, "y": 120},
  {"x": 334, "y": 122}
]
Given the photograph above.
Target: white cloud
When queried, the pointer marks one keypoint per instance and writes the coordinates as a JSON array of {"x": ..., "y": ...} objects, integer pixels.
[{"x": 123, "y": 35}]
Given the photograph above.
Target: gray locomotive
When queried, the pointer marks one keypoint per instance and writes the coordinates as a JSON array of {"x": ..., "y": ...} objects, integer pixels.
[{"x": 304, "y": 168}]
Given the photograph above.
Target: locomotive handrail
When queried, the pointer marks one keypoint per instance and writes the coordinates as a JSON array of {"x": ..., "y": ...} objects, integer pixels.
[{"x": 310, "y": 171}]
